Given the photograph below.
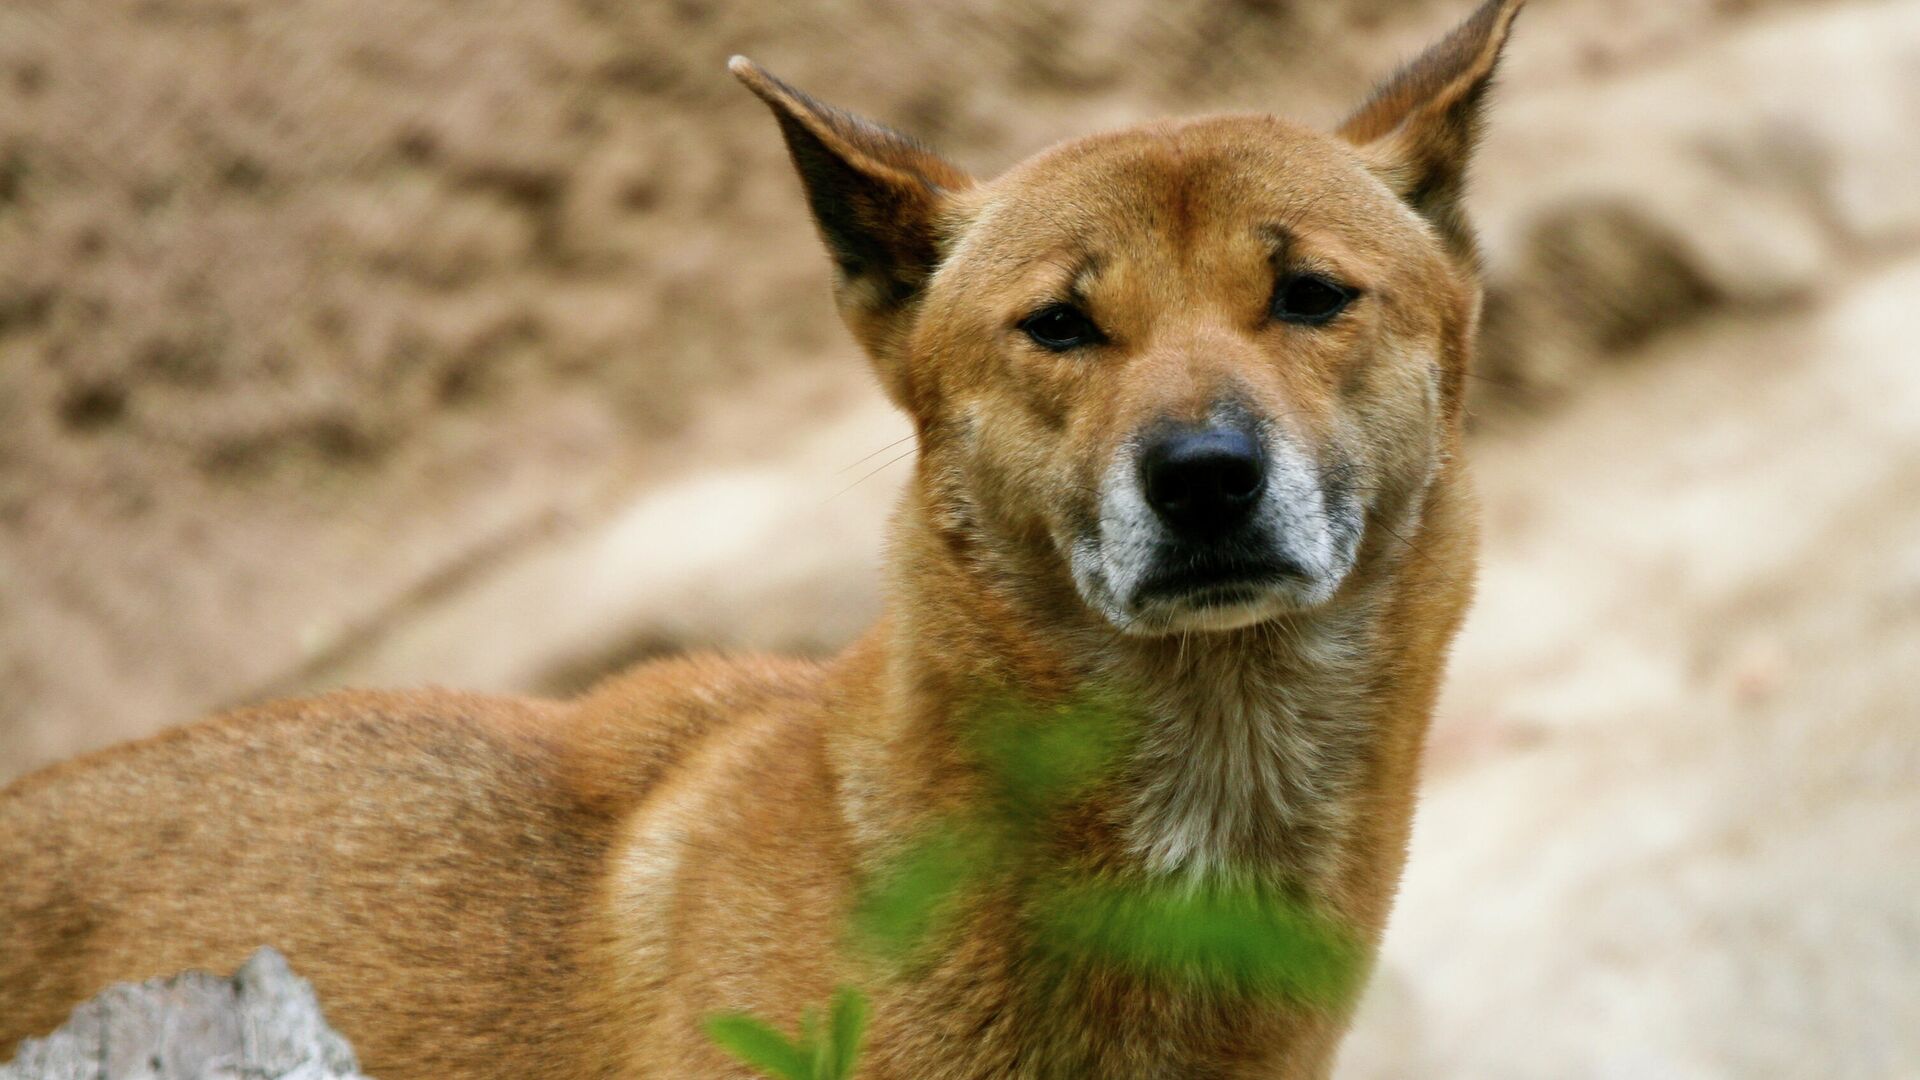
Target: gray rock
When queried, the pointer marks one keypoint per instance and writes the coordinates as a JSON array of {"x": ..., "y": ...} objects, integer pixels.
[{"x": 264, "y": 1023}]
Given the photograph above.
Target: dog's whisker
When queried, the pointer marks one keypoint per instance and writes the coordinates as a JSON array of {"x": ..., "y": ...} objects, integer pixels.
[
  {"x": 870, "y": 456},
  {"x": 875, "y": 471}
]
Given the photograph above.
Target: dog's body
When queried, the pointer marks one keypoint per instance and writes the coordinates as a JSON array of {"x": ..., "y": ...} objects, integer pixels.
[{"x": 1187, "y": 400}]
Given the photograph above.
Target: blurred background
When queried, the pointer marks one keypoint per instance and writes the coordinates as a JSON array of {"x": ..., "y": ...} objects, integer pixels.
[{"x": 487, "y": 343}]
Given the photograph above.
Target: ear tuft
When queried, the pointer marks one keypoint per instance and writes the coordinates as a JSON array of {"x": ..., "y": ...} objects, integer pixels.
[{"x": 1419, "y": 128}]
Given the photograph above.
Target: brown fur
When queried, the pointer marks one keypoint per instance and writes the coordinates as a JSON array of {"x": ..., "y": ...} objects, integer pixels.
[{"x": 490, "y": 887}]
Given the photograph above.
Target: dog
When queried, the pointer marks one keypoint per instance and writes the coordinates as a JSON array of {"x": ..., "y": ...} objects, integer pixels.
[{"x": 1188, "y": 407}]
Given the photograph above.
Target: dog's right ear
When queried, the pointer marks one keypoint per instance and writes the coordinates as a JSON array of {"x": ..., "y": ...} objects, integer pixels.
[{"x": 877, "y": 197}]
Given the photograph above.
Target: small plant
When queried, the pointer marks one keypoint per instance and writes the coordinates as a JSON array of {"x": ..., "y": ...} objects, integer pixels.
[
  {"x": 1230, "y": 936},
  {"x": 826, "y": 1052}
]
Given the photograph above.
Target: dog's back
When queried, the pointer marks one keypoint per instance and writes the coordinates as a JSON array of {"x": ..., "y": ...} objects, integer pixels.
[{"x": 384, "y": 842}]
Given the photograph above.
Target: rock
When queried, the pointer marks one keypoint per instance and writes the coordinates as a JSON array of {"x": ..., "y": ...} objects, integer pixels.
[{"x": 262, "y": 1024}]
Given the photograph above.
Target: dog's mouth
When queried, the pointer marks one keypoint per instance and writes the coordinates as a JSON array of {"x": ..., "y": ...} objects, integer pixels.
[
  {"x": 1216, "y": 594},
  {"x": 1205, "y": 583}
]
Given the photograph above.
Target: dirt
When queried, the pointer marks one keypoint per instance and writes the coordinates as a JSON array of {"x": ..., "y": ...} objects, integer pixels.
[{"x": 405, "y": 341}]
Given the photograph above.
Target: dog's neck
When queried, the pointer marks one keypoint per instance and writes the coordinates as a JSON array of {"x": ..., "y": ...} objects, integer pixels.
[
  {"x": 1249, "y": 741},
  {"x": 1251, "y": 745}
]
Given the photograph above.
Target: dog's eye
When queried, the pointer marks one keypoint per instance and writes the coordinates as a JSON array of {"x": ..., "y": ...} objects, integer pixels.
[
  {"x": 1060, "y": 327},
  {"x": 1309, "y": 298}
]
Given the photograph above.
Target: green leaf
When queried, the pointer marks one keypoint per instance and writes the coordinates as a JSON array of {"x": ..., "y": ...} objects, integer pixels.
[
  {"x": 1234, "y": 939},
  {"x": 1040, "y": 759},
  {"x": 848, "y": 1025},
  {"x": 759, "y": 1046},
  {"x": 815, "y": 1043},
  {"x": 903, "y": 908}
]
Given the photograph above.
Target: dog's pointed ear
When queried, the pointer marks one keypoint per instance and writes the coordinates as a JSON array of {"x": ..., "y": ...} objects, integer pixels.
[
  {"x": 877, "y": 196},
  {"x": 1419, "y": 128}
]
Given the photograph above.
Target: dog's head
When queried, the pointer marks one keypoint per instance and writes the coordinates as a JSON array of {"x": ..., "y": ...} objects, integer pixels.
[{"x": 1190, "y": 367}]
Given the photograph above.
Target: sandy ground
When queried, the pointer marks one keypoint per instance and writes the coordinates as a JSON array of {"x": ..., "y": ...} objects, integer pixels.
[{"x": 488, "y": 346}]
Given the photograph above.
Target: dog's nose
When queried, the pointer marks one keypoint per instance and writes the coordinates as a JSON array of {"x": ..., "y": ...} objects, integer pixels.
[{"x": 1205, "y": 482}]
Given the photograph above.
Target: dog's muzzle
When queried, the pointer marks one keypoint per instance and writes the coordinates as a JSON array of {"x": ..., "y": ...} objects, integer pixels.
[{"x": 1211, "y": 527}]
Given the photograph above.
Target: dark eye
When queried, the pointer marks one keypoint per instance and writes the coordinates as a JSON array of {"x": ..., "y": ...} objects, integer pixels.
[
  {"x": 1308, "y": 298},
  {"x": 1060, "y": 327}
]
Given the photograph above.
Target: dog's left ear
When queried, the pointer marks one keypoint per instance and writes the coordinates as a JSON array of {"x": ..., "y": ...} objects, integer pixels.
[
  {"x": 1418, "y": 129},
  {"x": 878, "y": 198}
]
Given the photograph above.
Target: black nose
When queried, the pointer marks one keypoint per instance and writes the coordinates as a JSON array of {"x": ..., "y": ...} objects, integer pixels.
[{"x": 1204, "y": 482}]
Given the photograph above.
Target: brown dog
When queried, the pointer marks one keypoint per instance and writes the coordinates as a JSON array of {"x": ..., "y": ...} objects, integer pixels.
[{"x": 1188, "y": 403}]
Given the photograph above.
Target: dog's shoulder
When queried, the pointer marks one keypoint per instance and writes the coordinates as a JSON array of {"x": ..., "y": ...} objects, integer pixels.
[{"x": 621, "y": 739}]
